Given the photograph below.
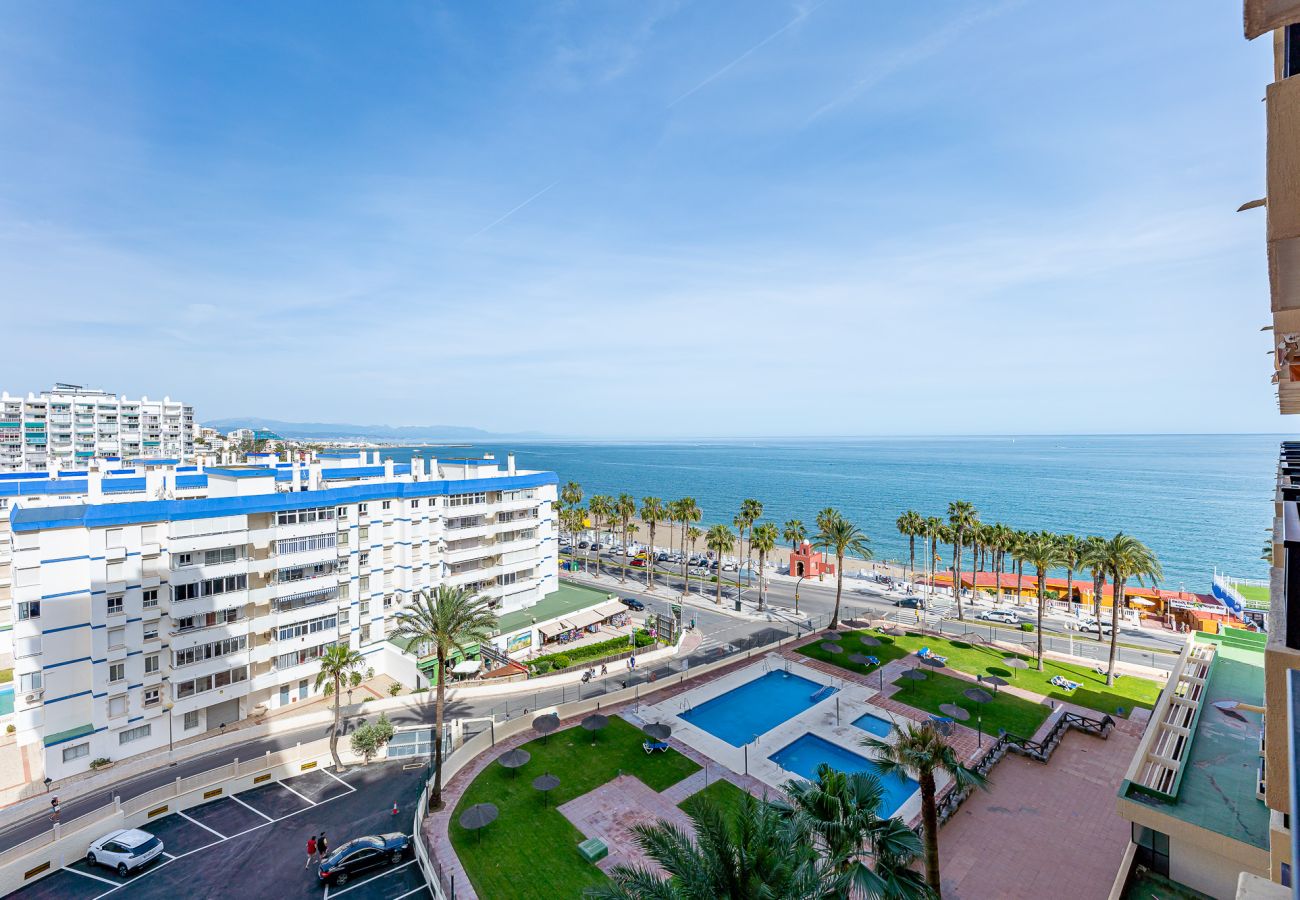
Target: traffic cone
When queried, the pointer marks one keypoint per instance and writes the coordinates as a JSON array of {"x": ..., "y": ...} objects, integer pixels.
[{"x": 394, "y": 807}]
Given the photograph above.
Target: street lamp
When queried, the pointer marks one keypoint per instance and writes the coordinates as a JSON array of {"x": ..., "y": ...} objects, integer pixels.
[
  {"x": 796, "y": 593},
  {"x": 171, "y": 744}
]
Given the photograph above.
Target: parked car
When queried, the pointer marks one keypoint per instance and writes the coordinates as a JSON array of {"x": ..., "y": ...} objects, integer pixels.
[
  {"x": 362, "y": 854},
  {"x": 1091, "y": 625},
  {"x": 729, "y": 567},
  {"x": 662, "y": 557},
  {"x": 124, "y": 850},
  {"x": 638, "y": 562},
  {"x": 1005, "y": 616},
  {"x": 583, "y": 545},
  {"x": 910, "y": 603},
  {"x": 632, "y": 603}
]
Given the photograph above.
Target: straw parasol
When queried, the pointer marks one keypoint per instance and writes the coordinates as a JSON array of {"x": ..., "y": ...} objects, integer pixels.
[
  {"x": 514, "y": 759},
  {"x": 832, "y": 647},
  {"x": 593, "y": 723},
  {"x": 980, "y": 696},
  {"x": 658, "y": 731},
  {"x": 545, "y": 724},
  {"x": 993, "y": 680},
  {"x": 478, "y": 817},
  {"x": 952, "y": 709},
  {"x": 545, "y": 783},
  {"x": 867, "y": 640}
]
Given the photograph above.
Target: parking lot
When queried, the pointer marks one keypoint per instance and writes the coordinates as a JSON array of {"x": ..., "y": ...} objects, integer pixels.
[{"x": 253, "y": 844}]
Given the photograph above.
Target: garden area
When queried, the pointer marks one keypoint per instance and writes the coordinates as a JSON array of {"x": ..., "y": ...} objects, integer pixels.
[
  {"x": 1127, "y": 693},
  {"x": 531, "y": 843},
  {"x": 586, "y": 653}
]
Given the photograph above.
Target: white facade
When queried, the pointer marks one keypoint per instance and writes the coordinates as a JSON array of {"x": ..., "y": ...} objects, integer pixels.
[
  {"x": 135, "y": 624},
  {"x": 68, "y": 425}
]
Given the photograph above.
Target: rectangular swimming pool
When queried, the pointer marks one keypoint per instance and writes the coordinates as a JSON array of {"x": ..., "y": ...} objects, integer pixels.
[
  {"x": 756, "y": 707},
  {"x": 873, "y": 724},
  {"x": 805, "y": 754}
]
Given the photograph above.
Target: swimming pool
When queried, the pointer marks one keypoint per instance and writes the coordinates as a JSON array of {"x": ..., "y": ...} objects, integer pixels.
[
  {"x": 808, "y": 752},
  {"x": 756, "y": 707},
  {"x": 6, "y": 700},
  {"x": 873, "y": 724}
]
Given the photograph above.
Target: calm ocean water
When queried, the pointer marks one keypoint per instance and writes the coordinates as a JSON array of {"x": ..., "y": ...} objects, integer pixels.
[{"x": 1199, "y": 500}]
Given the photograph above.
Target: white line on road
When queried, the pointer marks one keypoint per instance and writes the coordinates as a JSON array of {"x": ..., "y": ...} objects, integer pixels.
[
  {"x": 168, "y": 855},
  {"x": 338, "y": 779},
  {"x": 201, "y": 825},
  {"x": 421, "y": 889},
  {"x": 372, "y": 878},
  {"x": 88, "y": 875},
  {"x": 252, "y": 808},
  {"x": 295, "y": 793}
]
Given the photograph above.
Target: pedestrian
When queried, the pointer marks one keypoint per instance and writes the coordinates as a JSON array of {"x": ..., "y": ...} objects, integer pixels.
[
  {"x": 603, "y": 670},
  {"x": 54, "y": 808},
  {"x": 311, "y": 851},
  {"x": 322, "y": 846}
]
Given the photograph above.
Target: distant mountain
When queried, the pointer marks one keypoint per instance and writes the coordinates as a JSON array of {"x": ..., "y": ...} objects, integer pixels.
[{"x": 344, "y": 432}]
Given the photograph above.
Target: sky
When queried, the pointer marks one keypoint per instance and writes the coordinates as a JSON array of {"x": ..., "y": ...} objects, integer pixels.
[{"x": 646, "y": 220}]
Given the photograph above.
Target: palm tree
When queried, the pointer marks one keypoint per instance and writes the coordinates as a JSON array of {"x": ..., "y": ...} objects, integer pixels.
[
  {"x": 1017, "y": 545},
  {"x": 961, "y": 516},
  {"x": 837, "y": 814},
  {"x": 686, "y": 511},
  {"x": 919, "y": 751},
  {"x": 337, "y": 665},
  {"x": 1093, "y": 556},
  {"x": 933, "y": 528},
  {"x": 1125, "y": 557},
  {"x": 693, "y": 536},
  {"x": 840, "y": 536},
  {"x": 763, "y": 538},
  {"x": 1070, "y": 547},
  {"x": 446, "y": 619},
  {"x": 1043, "y": 551},
  {"x": 571, "y": 498},
  {"x": 601, "y": 508},
  {"x": 912, "y": 525},
  {"x": 751, "y": 511},
  {"x": 624, "y": 510},
  {"x": 824, "y": 518},
  {"x": 653, "y": 512},
  {"x": 1000, "y": 542},
  {"x": 750, "y": 854},
  {"x": 794, "y": 532},
  {"x": 577, "y": 522},
  {"x": 720, "y": 540}
]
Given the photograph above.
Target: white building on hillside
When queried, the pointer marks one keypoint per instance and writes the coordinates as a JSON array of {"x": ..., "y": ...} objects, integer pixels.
[
  {"x": 157, "y": 603},
  {"x": 68, "y": 425}
]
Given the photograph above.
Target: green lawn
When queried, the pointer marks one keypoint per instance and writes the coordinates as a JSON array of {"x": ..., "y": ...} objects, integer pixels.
[
  {"x": 722, "y": 792},
  {"x": 1016, "y": 714},
  {"x": 1256, "y": 592},
  {"x": 852, "y": 643},
  {"x": 531, "y": 850},
  {"x": 974, "y": 659}
]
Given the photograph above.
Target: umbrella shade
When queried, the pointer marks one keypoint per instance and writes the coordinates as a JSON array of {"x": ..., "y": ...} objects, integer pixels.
[
  {"x": 547, "y": 782},
  {"x": 994, "y": 680},
  {"x": 859, "y": 659},
  {"x": 831, "y": 647},
  {"x": 1015, "y": 662},
  {"x": 832, "y": 636},
  {"x": 513, "y": 759},
  {"x": 478, "y": 816},
  {"x": 951, "y": 709},
  {"x": 658, "y": 731},
  {"x": 595, "y": 722},
  {"x": 931, "y": 661},
  {"x": 868, "y": 641},
  {"x": 546, "y": 724},
  {"x": 894, "y": 630},
  {"x": 979, "y": 695},
  {"x": 914, "y": 675},
  {"x": 1138, "y": 601}
]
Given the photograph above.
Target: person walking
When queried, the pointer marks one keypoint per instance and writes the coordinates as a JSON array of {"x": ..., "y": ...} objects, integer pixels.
[
  {"x": 311, "y": 851},
  {"x": 322, "y": 846}
]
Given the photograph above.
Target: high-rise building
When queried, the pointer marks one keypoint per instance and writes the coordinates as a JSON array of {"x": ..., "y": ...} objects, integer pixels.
[
  {"x": 157, "y": 602},
  {"x": 69, "y": 424}
]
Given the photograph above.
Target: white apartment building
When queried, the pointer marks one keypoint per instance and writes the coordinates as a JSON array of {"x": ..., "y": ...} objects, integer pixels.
[
  {"x": 68, "y": 425},
  {"x": 157, "y": 605}
]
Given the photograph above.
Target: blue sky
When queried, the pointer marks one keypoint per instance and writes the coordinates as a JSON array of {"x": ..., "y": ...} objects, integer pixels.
[{"x": 643, "y": 219}]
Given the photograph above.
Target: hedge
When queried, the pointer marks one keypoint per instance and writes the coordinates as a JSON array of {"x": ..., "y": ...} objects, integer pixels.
[{"x": 587, "y": 653}]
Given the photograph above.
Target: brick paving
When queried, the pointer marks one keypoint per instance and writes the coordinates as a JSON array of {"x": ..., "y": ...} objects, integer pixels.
[{"x": 612, "y": 810}]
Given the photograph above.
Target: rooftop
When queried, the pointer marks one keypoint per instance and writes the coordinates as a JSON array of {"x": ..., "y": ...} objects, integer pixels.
[{"x": 566, "y": 598}]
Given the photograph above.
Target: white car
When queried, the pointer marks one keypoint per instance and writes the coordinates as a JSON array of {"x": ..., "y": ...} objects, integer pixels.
[
  {"x": 124, "y": 850},
  {"x": 1091, "y": 625},
  {"x": 1005, "y": 616}
]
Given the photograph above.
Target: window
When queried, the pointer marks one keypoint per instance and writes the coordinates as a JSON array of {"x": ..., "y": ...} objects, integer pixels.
[
  {"x": 388, "y": 504},
  {"x": 388, "y": 601},
  {"x": 345, "y": 590},
  {"x": 191, "y": 720},
  {"x": 27, "y": 646},
  {"x": 152, "y": 696},
  {"x": 363, "y": 558},
  {"x": 117, "y": 706},
  {"x": 305, "y": 544},
  {"x": 341, "y": 512},
  {"x": 217, "y": 557},
  {"x": 415, "y": 504},
  {"x": 363, "y": 508},
  {"x": 363, "y": 585},
  {"x": 365, "y": 608},
  {"x": 32, "y": 681},
  {"x": 206, "y": 620},
  {"x": 345, "y": 615},
  {"x": 115, "y": 571},
  {"x": 301, "y": 573},
  {"x": 181, "y": 560},
  {"x": 343, "y": 539},
  {"x": 116, "y": 638},
  {"x": 150, "y": 598},
  {"x": 115, "y": 605},
  {"x": 114, "y": 538},
  {"x": 191, "y": 655},
  {"x": 76, "y": 751},
  {"x": 307, "y": 598},
  {"x": 467, "y": 499},
  {"x": 363, "y": 533},
  {"x": 210, "y": 587},
  {"x": 301, "y": 516},
  {"x": 365, "y": 633},
  {"x": 134, "y": 734},
  {"x": 151, "y": 664},
  {"x": 151, "y": 630},
  {"x": 208, "y": 682},
  {"x": 1152, "y": 849},
  {"x": 313, "y": 626},
  {"x": 301, "y": 656},
  {"x": 117, "y": 671},
  {"x": 29, "y": 609}
]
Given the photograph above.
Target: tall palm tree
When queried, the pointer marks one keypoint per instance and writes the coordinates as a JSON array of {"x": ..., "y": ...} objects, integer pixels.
[
  {"x": 961, "y": 516},
  {"x": 919, "y": 751},
  {"x": 1000, "y": 542},
  {"x": 653, "y": 511},
  {"x": 749, "y": 854},
  {"x": 794, "y": 531},
  {"x": 824, "y": 518},
  {"x": 933, "y": 528},
  {"x": 445, "y": 619},
  {"x": 1043, "y": 551},
  {"x": 600, "y": 508},
  {"x": 720, "y": 540},
  {"x": 912, "y": 526},
  {"x": 624, "y": 510},
  {"x": 751, "y": 511},
  {"x": 1092, "y": 556},
  {"x": 571, "y": 498},
  {"x": 836, "y": 813},
  {"x": 687, "y": 512},
  {"x": 841, "y": 536},
  {"x": 1125, "y": 557},
  {"x": 1017, "y": 556},
  {"x": 1070, "y": 547},
  {"x": 577, "y": 522},
  {"x": 337, "y": 665},
  {"x": 763, "y": 538}
]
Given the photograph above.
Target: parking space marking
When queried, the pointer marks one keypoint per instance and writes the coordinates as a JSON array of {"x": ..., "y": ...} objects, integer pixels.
[
  {"x": 372, "y": 878},
  {"x": 421, "y": 889},
  {"x": 338, "y": 779},
  {"x": 201, "y": 825},
  {"x": 96, "y": 877},
  {"x": 295, "y": 793},
  {"x": 168, "y": 855},
  {"x": 254, "y": 809}
]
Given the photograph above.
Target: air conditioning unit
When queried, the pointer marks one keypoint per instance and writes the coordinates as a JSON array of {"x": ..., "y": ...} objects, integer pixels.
[{"x": 35, "y": 696}]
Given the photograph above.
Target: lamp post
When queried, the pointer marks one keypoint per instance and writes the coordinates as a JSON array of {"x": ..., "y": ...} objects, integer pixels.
[
  {"x": 796, "y": 593},
  {"x": 171, "y": 744}
]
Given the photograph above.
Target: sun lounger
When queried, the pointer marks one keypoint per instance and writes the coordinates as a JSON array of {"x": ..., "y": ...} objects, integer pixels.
[
  {"x": 1064, "y": 683},
  {"x": 1100, "y": 671},
  {"x": 652, "y": 746},
  {"x": 874, "y": 660}
]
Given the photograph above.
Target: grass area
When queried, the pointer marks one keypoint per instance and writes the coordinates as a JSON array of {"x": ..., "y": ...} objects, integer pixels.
[
  {"x": 723, "y": 793},
  {"x": 1256, "y": 592},
  {"x": 976, "y": 659},
  {"x": 1005, "y": 711},
  {"x": 852, "y": 644},
  {"x": 531, "y": 850},
  {"x": 6, "y": 676}
]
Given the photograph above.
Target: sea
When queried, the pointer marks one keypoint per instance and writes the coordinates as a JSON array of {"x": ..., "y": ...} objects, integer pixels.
[{"x": 1202, "y": 502}]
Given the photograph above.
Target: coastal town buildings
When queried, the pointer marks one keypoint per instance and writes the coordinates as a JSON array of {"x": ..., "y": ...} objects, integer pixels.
[
  {"x": 69, "y": 424},
  {"x": 153, "y": 602}
]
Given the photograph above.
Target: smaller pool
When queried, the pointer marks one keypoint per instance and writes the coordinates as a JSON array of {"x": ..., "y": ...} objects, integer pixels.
[
  {"x": 6, "y": 700},
  {"x": 808, "y": 752},
  {"x": 873, "y": 724}
]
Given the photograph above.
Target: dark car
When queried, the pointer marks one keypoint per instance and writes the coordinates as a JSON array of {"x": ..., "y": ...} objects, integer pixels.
[
  {"x": 910, "y": 603},
  {"x": 632, "y": 603},
  {"x": 361, "y": 855}
]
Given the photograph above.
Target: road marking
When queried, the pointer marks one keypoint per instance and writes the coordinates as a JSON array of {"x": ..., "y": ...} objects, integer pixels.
[
  {"x": 254, "y": 809},
  {"x": 201, "y": 825},
  {"x": 420, "y": 889},
  {"x": 88, "y": 875},
  {"x": 338, "y": 779},
  {"x": 168, "y": 855},
  {"x": 295, "y": 793},
  {"x": 372, "y": 878}
]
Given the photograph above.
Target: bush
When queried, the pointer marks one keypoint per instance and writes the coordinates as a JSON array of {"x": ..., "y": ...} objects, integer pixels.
[
  {"x": 9, "y": 729},
  {"x": 1026, "y": 626},
  {"x": 542, "y": 666},
  {"x": 419, "y": 690},
  {"x": 643, "y": 638},
  {"x": 6, "y": 676},
  {"x": 561, "y": 661},
  {"x": 368, "y": 740},
  {"x": 394, "y": 689},
  {"x": 367, "y": 699},
  {"x": 100, "y": 762}
]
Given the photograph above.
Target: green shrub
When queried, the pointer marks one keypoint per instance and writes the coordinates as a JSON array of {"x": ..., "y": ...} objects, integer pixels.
[
  {"x": 542, "y": 666},
  {"x": 100, "y": 762},
  {"x": 394, "y": 689},
  {"x": 643, "y": 638},
  {"x": 1026, "y": 626},
  {"x": 369, "y": 739},
  {"x": 6, "y": 676},
  {"x": 561, "y": 661},
  {"x": 9, "y": 729},
  {"x": 419, "y": 690},
  {"x": 366, "y": 699}
]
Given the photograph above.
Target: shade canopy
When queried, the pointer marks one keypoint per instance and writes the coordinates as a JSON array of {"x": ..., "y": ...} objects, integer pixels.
[
  {"x": 658, "y": 731},
  {"x": 1015, "y": 662},
  {"x": 832, "y": 647},
  {"x": 547, "y": 782},
  {"x": 1140, "y": 601},
  {"x": 913, "y": 675},
  {"x": 859, "y": 659},
  {"x": 468, "y": 667},
  {"x": 547, "y": 723},
  {"x": 978, "y": 695},
  {"x": 583, "y": 618},
  {"x": 893, "y": 630},
  {"x": 867, "y": 640},
  {"x": 932, "y": 662},
  {"x": 551, "y": 629},
  {"x": 610, "y": 608},
  {"x": 513, "y": 759},
  {"x": 478, "y": 816},
  {"x": 956, "y": 712},
  {"x": 595, "y": 722},
  {"x": 994, "y": 680}
]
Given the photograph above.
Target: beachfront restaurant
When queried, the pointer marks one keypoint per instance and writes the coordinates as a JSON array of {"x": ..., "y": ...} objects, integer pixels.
[
  {"x": 1145, "y": 602},
  {"x": 570, "y": 616}
]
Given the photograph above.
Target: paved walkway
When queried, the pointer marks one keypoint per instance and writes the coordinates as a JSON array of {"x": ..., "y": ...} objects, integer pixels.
[
  {"x": 1042, "y": 830},
  {"x": 611, "y": 811}
]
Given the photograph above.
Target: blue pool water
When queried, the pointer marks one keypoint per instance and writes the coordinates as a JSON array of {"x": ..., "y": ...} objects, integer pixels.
[
  {"x": 6, "y": 700},
  {"x": 873, "y": 724},
  {"x": 808, "y": 752},
  {"x": 756, "y": 707}
]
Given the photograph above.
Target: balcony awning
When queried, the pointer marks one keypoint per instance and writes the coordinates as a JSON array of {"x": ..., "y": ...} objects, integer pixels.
[
  {"x": 551, "y": 629},
  {"x": 584, "y": 617},
  {"x": 610, "y": 608}
]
